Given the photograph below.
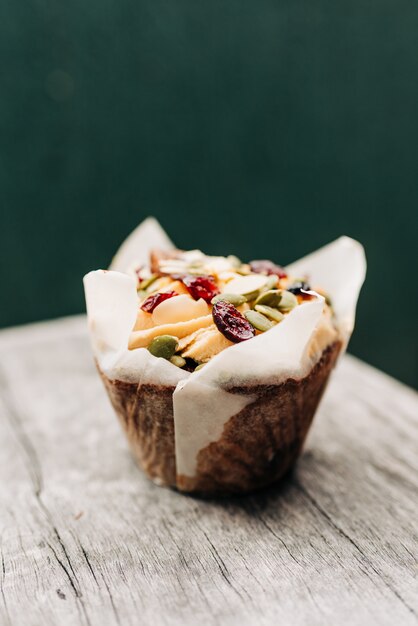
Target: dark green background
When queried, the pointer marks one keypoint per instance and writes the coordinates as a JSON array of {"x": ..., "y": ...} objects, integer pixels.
[{"x": 262, "y": 128}]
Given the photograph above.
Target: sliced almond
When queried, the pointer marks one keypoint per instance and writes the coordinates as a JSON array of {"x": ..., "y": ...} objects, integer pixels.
[
  {"x": 188, "y": 339},
  {"x": 179, "y": 309},
  {"x": 142, "y": 338},
  {"x": 206, "y": 345},
  {"x": 177, "y": 286},
  {"x": 143, "y": 320}
]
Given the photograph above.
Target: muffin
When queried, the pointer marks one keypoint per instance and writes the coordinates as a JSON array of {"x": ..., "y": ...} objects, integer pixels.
[{"x": 214, "y": 366}]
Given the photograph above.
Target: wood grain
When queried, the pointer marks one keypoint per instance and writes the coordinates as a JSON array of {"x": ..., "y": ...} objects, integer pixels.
[{"x": 85, "y": 538}]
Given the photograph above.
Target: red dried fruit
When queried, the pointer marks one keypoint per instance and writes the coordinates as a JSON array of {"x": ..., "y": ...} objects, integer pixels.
[
  {"x": 201, "y": 287},
  {"x": 231, "y": 323},
  {"x": 267, "y": 267},
  {"x": 153, "y": 301}
]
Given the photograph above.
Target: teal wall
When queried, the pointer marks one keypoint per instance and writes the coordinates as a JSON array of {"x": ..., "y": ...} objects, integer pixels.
[{"x": 262, "y": 128}]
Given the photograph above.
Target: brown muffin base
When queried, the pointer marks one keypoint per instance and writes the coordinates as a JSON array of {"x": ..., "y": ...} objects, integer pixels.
[
  {"x": 146, "y": 415},
  {"x": 257, "y": 447}
]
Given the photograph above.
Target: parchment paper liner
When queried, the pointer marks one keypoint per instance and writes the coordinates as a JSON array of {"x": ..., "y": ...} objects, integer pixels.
[{"x": 239, "y": 423}]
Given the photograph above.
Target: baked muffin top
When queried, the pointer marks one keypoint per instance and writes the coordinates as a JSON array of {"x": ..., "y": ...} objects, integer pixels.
[{"x": 191, "y": 306}]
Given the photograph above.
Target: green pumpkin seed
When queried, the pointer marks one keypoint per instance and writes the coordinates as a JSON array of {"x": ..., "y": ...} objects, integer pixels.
[
  {"x": 328, "y": 300},
  {"x": 288, "y": 301},
  {"x": 163, "y": 346},
  {"x": 252, "y": 296},
  {"x": 248, "y": 286},
  {"x": 178, "y": 360},
  {"x": 141, "y": 294},
  {"x": 268, "y": 311},
  {"x": 272, "y": 282},
  {"x": 147, "y": 282},
  {"x": 258, "y": 320},
  {"x": 270, "y": 298},
  {"x": 199, "y": 367},
  {"x": 234, "y": 298}
]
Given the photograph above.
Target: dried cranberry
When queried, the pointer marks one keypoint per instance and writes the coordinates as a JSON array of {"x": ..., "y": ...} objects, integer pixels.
[
  {"x": 231, "y": 323},
  {"x": 267, "y": 267},
  {"x": 201, "y": 287},
  {"x": 298, "y": 287},
  {"x": 153, "y": 301}
]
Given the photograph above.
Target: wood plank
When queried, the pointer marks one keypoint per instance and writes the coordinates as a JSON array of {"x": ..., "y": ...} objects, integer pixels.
[{"x": 85, "y": 538}]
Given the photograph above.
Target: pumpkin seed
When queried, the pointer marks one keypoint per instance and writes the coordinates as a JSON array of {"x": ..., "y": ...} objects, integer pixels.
[
  {"x": 258, "y": 320},
  {"x": 272, "y": 282},
  {"x": 270, "y": 298},
  {"x": 288, "y": 301},
  {"x": 199, "y": 367},
  {"x": 178, "y": 360},
  {"x": 268, "y": 311},
  {"x": 147, "y": 282},
  {"x": 163, "y": 346},
  {"x": 248, "y": 286},
  {"x": 252, "y": 296},
  {"x": 234, "y": 298}
]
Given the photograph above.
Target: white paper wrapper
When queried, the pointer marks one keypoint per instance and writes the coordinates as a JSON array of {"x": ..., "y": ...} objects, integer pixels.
[{"x": 201, "y": 402}]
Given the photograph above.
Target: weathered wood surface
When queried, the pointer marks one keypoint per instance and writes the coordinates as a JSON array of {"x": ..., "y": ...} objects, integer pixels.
[{"x": 87, "y": 539}]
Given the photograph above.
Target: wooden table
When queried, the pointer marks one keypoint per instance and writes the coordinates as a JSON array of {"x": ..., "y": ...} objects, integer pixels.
[{"x": 87, "y": 539}]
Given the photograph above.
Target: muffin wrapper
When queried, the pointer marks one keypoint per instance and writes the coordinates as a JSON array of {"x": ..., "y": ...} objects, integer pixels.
[
  {"x": 240, "y": 422},
  {"x": 258, "y": 444}
]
